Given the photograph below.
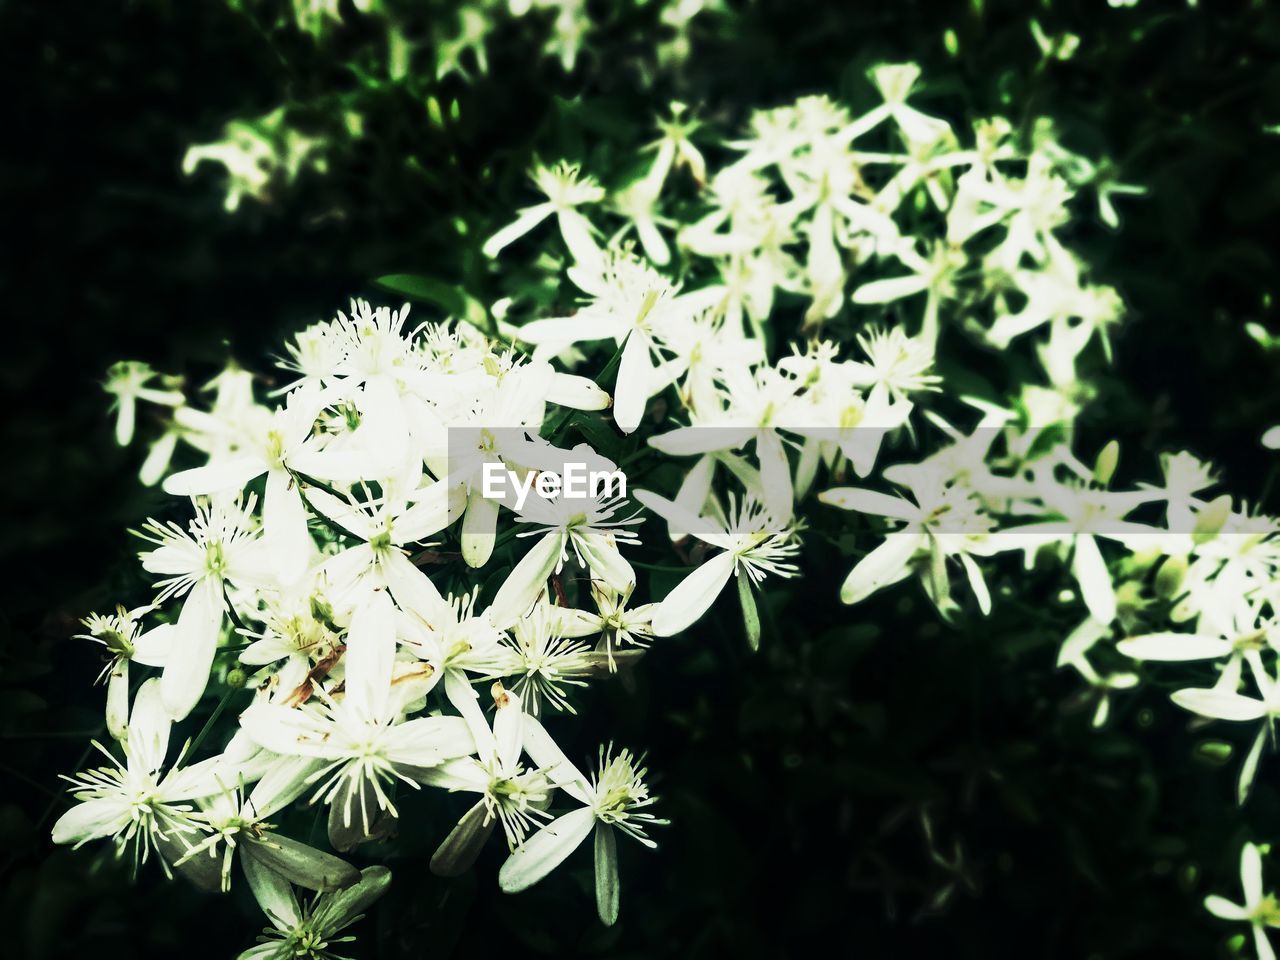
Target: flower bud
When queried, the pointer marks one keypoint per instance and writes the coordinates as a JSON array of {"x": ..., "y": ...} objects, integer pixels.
[
  {"x": 1105, "y": 466},
  {"x": 1211, "y": 518},
  {"x": 1169, "y": 577}
]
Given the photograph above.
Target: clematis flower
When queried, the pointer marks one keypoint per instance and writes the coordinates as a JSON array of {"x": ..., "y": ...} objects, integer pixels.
[
  {"x": 754, "y": 546},
  {"x": 566, "y": 190},
  {"x": 615, "y": 799},
  {"x": 588, "y": 526},
  {"x": 285, "y": 449},
  {"x": 122, "y": 635},
  {"x": 361, "y": 737},
  {"x": 1259, "y": 909},
  {"x": 139, "y": 806},
  {"x": 220, "y": 546},
  {"x": 510, "y": 793},
  {"x": 127, "y": 382}
]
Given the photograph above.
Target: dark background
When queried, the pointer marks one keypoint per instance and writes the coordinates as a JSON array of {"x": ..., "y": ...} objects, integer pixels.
[{"x": 797, "y": 780}]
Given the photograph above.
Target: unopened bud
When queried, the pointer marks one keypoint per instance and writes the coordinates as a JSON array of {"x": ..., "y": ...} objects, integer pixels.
[
  {"x": 1212, "y": 518},
  {"x": 1169, "y": 577},
  {"x": 1105, "y": 466}
]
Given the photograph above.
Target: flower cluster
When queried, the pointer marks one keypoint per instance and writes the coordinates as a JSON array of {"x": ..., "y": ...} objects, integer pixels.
[
  {"x": 302, "y": 574},
  {"x": 787, "y": 319}
]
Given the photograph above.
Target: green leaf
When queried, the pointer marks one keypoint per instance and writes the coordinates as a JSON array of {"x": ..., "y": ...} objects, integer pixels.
[{"x": 425, "y": 289}]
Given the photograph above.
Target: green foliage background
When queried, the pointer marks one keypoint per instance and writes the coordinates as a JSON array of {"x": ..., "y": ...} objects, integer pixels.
[{"x": 799, "y": 781}]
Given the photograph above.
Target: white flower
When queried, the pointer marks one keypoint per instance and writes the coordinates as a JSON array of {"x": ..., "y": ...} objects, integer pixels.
[
  {"x": 566, "y": 190},
  {"x": 141, "y": 807},
  {"x": 1259, "y": 909},
  {"x": 122, "y": 635},
  {"x": 946, "y": 520},
  {"x": 220, "y": 545},
  {"x": 589, "y": 527},
  {"x": 616, "y": 798},
  {"x": 285, "y": 449},
  {"x": 754, "y": 546},
  {"x": 511, "y": 794},
  {"x": 637, "y": 308},
  {"x": 127, "y": 382},
  {"x": 546, "y": 660},
  {"x": 360, "y": 736}
]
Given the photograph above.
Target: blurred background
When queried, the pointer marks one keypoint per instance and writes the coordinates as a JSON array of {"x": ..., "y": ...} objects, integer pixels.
[{"x": 873, "y": 781}]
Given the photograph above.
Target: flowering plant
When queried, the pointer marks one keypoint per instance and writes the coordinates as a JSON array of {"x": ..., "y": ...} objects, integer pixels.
[{"x": 775, "y": 335}]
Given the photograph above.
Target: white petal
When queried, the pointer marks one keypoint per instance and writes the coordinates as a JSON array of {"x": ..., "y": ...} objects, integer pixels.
[
  {"x": 693, "y": 596},
  {"x": 149, "y": 726},
  {"x": 526, "y": 221},
  {"x": 682, "y": 520},
  {"x": 545, "y": 850},
  {"x": 885, "y": 565},
  {"x": 186, "y": 674},
  {"x": 462, "y": 695},
  {"x": 775, "y": 475},
  {"x": 687, "y": 441},
  {"x": 976, "y": 583},
  {"x": 118, "y": 699},
  {"x": 383, "y": 424},
  {"x": 1261, "y": 944},
  {"x": 526, "y": 581},
  {"x": 508, "y": 729},
  {"x": 479, "y": 526},
  {"x": 152, "y": 648},
  {"x": 412, "y": 589},
  {"x": 556, "y": 333},
  {"x": 427, "y": 741},
  {"x": 577, "y": 232},
  {"x": 1224, "y": 909},
  {"x": 1251, "y": 873},
  {"x": 578, "y": 393},
  {"x": 337, "y": 466},
  {"x": 284, "y": 521},
  {"x": 869, "y": 501},
  {"x": 551, "y": 760},
  {"x": 342, "y": 512},
  {"x": 371, "y": 653},
  {"x": 284, "y": 782},
  {"x": 158, "y": 457},
  {"x": 1174, "y": 646},
  {"x": 604, "y": 561},
  {"x": 1095, "y": 582},
  {"x": 1249, "y": 769},
  {"x": 125, "y": 416},
  {"x": 434, "y": 508},
  {"x": 635, "y": 372},
  {"x": 288, "y": 732},
  {"x": 215, "y": 477},
  {"x": 1219, "y": 704},
  {"x": 91, "y": 820},
  {"x": 885, "y": 291}
]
